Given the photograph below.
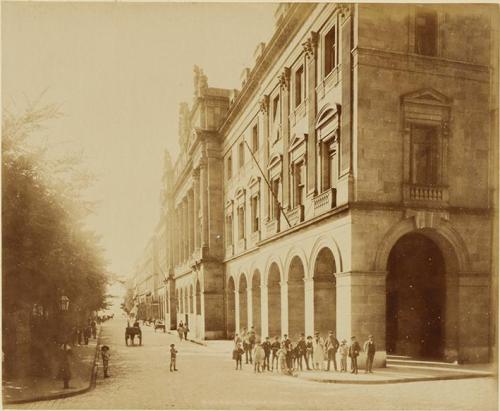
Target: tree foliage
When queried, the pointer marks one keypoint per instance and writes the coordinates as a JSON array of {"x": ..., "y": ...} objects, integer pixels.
[{"x": 47, "y": 251}]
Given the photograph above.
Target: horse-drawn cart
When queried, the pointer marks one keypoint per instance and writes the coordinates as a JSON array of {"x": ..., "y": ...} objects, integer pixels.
[{"x": 132, "y": 332}]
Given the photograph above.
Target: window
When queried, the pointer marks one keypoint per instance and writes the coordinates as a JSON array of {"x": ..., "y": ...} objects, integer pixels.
[
  {"x": 276, "y": 102},
  {"x": 299, "y": 180},
  {"x": 426, "y": 33},
  {"x": 275, "y": 209},
  {"x": 330, "y": 165},
  {"x": 229, "y": 230},
  {"x": 229, "y": 167},
  {"x": 241, "y": 223},
  {"x": 241, "y": 154},
  {"x": 299, "y": 86},
  {"x": 424, "y": 155},
  {"x": 330, "y": 51},
  {"x": 255, "y": 213},
  {"x": 255, "y": 138}
]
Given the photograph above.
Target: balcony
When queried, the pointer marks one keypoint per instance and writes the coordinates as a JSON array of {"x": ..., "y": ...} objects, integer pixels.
[
  {"x": 425, "y": 193},
  {"x": 272, "y": 227},
  {"x": 325, "y": 201},
  {"x": 296, "y": 215}
]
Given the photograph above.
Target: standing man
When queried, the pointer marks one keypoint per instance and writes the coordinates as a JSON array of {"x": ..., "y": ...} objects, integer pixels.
[
  {"x": 354, "y": 350},
  {"x": 331, "y": 346},
  {"x": 266, "y": 345},
  {"x": 275, "y": 347},
  {"x": 318, "y": 352},
  {"x": 369, "y": 349},
  {"x": 302, "y": 352},
  {"x": 288, "y": 347}
]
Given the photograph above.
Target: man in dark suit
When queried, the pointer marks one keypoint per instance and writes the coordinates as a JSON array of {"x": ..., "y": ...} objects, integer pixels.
[
  {"x": 331, "y": 347},
  {"x": 354, "y": 350},
  {"x": 369, "y": 349}
]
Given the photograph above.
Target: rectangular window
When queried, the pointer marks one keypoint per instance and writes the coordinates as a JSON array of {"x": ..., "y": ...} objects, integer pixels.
[
  {"x": 299, "y": 179},
  {"x": 299, "y": 86},
  {"x": 255, "y": 213},
  {"x": 276, "y": 103},
  {"x": 329, "y": 160},
  {"x": 330, "y": 51},
  {"x": 241, "y": 223},
  {"x": 229, "y": 230},
  {"x": 426, "y": 33},
  {"x": 229, "y": 167},
  {"x": 255, "y": 138},
  {"x": 424, "y": 155},
  {"x": 241, "y": 153}
]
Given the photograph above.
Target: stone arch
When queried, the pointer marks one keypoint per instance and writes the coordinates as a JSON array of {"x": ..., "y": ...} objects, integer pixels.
[
  {"x": 269, "y": 264},
  {"x": 324, "y": 290},
  {"x": 231, "y": 307},
  {"x": 243, "y": 300},
  {"x": 455, "y": 259},
  {"x": 296, "y": 297},
  {"x": 295, "y": 252},
  {"x": 331, "y": 244},
  {"x": 451, "y": 244},
  {"x": 256, "y": 300},
  {"x": 273, "y": 283}
]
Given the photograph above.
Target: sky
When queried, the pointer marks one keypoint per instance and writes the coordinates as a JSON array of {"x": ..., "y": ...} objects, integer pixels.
[{"x": 118, "y": 71}]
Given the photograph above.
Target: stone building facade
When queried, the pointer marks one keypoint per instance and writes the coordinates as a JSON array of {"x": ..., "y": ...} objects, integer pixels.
[{"x": 348, "y": 186}]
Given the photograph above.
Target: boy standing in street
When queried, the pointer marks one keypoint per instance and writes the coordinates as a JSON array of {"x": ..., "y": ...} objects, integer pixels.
[
  {"x": 354, "y": 350},
  {"x": 266, "y": 345},
  {"x": 238, "y": 354},
  {"x": 173, "y": 356},
  {"x": 105, "y": 359},
  {"x": 343, "y": 351}
]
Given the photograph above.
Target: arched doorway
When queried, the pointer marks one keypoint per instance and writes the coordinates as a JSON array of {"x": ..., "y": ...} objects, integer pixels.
[
  {"x": 256, "y": 302},
  {"x": 325, "y": 293},
  {"x": 274, "y": 301},
  {"x": 243, "y": 302},
  {"x": 416, "y": 298},
  {"x": 231, "y": 308},
  {"x": 296, "y": 305}
]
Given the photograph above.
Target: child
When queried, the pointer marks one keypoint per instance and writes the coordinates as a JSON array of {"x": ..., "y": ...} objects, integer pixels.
[
  {"x": 105, "y": 359},
  {"x": 173, "y": 355},
  {"x": 282, "y": 352},
  {"x": 258, "y": 357},
  {"x": 343, "y": 351},
  {"x": 238, "y": 354},
  {"x": 275, "y": 346}
]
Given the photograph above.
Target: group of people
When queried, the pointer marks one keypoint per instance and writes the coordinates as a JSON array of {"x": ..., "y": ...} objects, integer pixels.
[
  {"x": 182, "y": 330},
  {"x": 287, "y": 357},
  {"x": 81, "y": 335}
]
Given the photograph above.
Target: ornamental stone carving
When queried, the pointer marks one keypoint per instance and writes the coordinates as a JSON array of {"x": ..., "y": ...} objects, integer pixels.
[{"x": 311, "y": 45}]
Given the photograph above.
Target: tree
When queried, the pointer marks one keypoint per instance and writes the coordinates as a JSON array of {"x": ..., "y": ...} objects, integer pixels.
[{"x": 47, "y": 251}]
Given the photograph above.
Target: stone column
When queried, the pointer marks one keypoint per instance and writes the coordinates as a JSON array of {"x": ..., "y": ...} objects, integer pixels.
[
  {"x": 237, "y": 311},
  {"x": 264, "y": 315},
  {"x": 196, "y": 208},
  {"x": 186, "y": 229},
  {"x": 249, "y": 306},
  {"x": 284, "y": 80},
  {"x": 346, "y": 81},
  {"x": 204, "y": 203},
  {"x": 361, "y": 309},
  {"x": 310, "y": 49},
  {"x": 284, "y": 307},
  {"x": 189, "y": 219},
  {"x": 264, "y": 111},
  {"x": 309, "y": 305}
]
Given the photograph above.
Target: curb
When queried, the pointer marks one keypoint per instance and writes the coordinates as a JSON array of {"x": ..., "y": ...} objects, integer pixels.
[
  {"x": 91, "y": 386},
  {"x": 199, "y": 342},
  {"x": 400, "y": 380}
]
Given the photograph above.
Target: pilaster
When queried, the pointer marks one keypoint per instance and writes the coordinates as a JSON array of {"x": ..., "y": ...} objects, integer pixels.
[
  {"x": 309, "y": 305},
  {"x": 264, "y": 314},
  {"x": 284, "y": 80},
  {"x": 284, "y": 307}
]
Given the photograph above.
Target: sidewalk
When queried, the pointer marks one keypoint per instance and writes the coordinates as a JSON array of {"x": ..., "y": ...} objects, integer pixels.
[
  {"x": 37, "y": 389},
  {"x": 399, "y": 374}
]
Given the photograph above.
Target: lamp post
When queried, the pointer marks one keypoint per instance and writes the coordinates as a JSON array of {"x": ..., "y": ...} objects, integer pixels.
[{"x": 64, "y": 366}]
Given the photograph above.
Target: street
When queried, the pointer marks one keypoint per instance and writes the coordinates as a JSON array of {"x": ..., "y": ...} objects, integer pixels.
[{"x": 140, "y": 379}]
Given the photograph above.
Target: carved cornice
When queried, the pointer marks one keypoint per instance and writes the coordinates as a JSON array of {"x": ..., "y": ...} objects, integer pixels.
[
  {"x": 311, "y": 45},
  {"x": 264, "y": 104},
  {"x": 284, "y": 78}
]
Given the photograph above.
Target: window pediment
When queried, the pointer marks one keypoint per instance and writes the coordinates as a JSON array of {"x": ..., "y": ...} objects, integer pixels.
[
  {"x": 254, "y": 181},
  {"x": 426, "y": 96},
  {"x": 297, "y": 140},
  {"x": 275, "y": 160}
]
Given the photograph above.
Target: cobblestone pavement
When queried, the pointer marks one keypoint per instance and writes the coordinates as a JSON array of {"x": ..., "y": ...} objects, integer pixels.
[{"x": 140, "y": 379}]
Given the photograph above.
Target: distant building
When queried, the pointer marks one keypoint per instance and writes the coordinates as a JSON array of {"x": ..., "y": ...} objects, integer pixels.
[{"x": 349, "y": 186}]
